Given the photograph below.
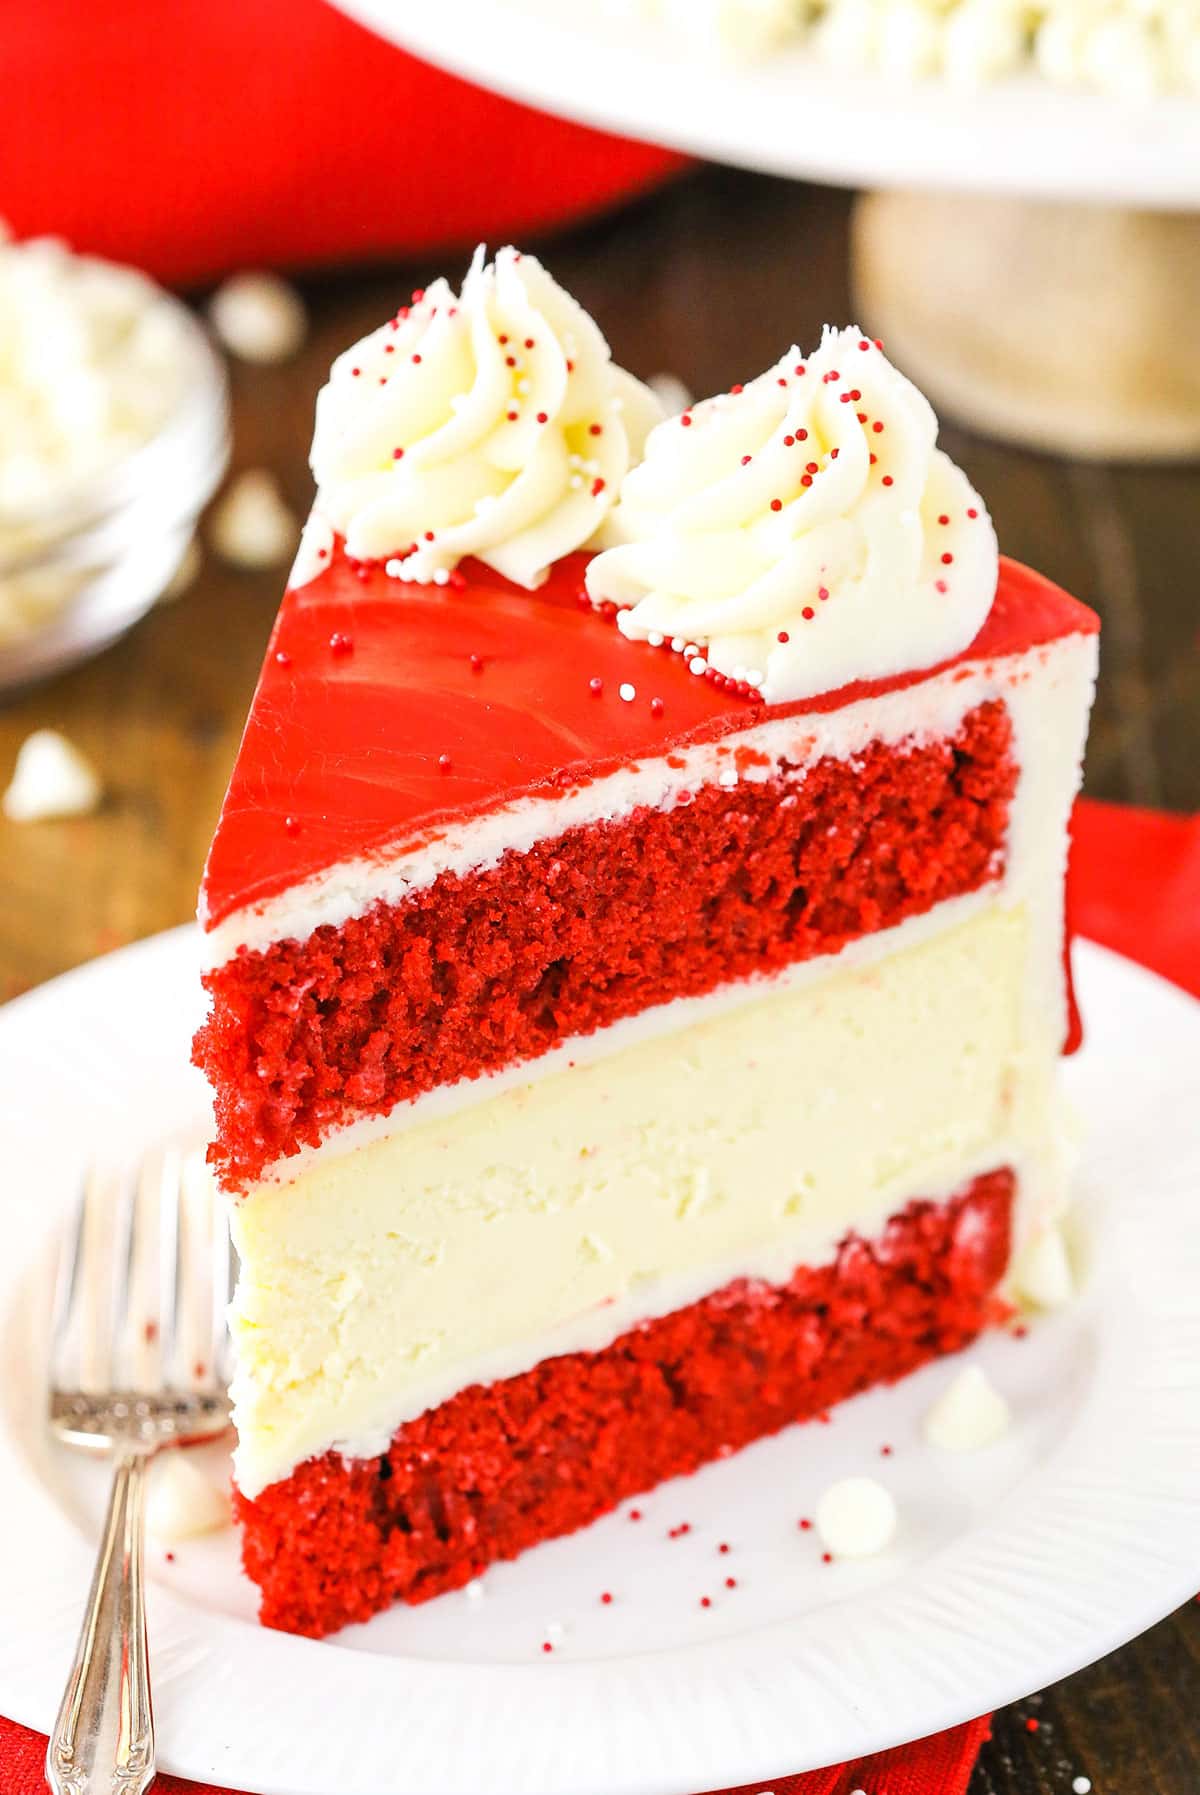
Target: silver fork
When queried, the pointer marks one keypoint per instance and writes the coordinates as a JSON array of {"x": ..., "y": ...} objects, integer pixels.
[{"x": 139, "y": 1361}]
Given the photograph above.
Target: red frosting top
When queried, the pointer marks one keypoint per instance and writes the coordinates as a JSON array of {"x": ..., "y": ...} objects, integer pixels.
[{"x": 385, "y": 711}]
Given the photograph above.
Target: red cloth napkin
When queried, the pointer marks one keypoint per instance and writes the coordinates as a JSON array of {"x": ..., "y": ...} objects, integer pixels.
[
  {"x": 195, "y": 136},
  {"x": 1135, "y": 886}
]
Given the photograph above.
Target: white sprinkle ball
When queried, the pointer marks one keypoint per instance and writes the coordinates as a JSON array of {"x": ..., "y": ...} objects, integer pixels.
[
  {"x": 677, "y": 644},
  {"x": 441, "y": 576},
  {"x": 728, "y": 776},
  {"x": 697, "y": 664},
  {"x": 654, "y": 639},
  {"x": 627, "y": 692}
]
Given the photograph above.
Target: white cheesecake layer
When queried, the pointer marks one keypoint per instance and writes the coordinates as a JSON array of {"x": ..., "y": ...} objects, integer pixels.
[{"x": 554, "y": 1215}]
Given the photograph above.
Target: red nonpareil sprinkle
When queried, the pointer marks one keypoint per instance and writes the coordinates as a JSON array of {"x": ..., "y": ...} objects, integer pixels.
[
  {"x": 443, "y": 763},
  {"x": 831, "y": 376},
  {"x": 595, "y": 429},
  {"x": 606, "y": 1598},
  {"x": 656, "y": 707},
  {"x": 1032, "y": 1724},
  {"x": 416, "y": 356},
  {"x": 822, "y": 591},
  {"x": 802, "y": 436},
  {"x": 429, "y": 535},
  {"x": 887, "y": 480},
  {"x": 746, "y": 460},
  {"x": 383, "y": 380},
  {"x": 706, "y": 1601},
  {"x": 282, "y": 658},
  {"x": 783, "y": 636},
  {"x": 170, "y": 1557},
  {"x": 542, "y": 418},
  {"x": 199, "y": 1368},
  {"x": 597, "y": 487},
  {"x": 356, "y": 372},
  {"x": 874, "y": 458},
  {"x": 885, "y": 1452},
  {"x": 1021, "y": 1332},
  {"x": 418, "y": 295},
  {"x": 510, "y": 361},
  {"x": 511, "y": 416},
  {"x": 546, "y": 1646},
  {"x": 724, "y": 1546},
  {"x": 290, "y": 826},
  {"x": 570, "y": 367},
  {"x": 340, "y": 643},
  {"x": 861, "y": 416},
  {"x": 731, "y": 1582},
  {"x": 864, "y": 344},
  {"x": 502, "y": 340},
  {"x": 877, "y": 426},
  {"x": 685, "y": 419},
  {"x": 595, "y": 687},
  {"x": 777, "y": 504},
  {"x": 737, "y": 389},
  {"x": 805, "y": 1526},
  {"x": 389, "y": 348},
  {"x": 800, "y": 368},
  {"x": 529, "y": 342},
  {"x": 827, "y": 1558},
  {"x": 806, "y": 479},
  {"x": 780, "y": 381},
  {"x": 808, "y": 613},
  {"x": 322, "y": 554},
  {"x": 940, "y": 586},
  {"x": 833, "y": 455},
  {"x": 947, "y": 559},
  {"x": 971, "y": 511},
  {"x": 635, "y": 1514},
  {"x": 811, "y": 467},
  {"x": 943, "y": 519},
  {"x": 476, "y": 663},
  {"x": 397, "y": 454},
  {"x": 855, "y": 394}
]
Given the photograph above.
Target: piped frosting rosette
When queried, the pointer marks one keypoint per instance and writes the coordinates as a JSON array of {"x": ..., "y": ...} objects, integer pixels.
[
  {"x": 803, "y": 531},
  {"x": 490, "y": 423}
]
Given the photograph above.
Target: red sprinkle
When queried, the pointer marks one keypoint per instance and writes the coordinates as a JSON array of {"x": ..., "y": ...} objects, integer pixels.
[
  {"x": 802, "y": 436},
  {"x": 783, "y": 636},
  {"x": 822, "y": 591},
  {"x": 1032, "y": 1725},
  {"x": 943, "y": 519},
  {"x": 595, "y": 429},
  {"x": 340, "y": 643},
  {"x": 731, "y": 1582},
  {"x": 746, "y": 460},
  {"x": 807, "y": 613},
  {"x": 597, "y": 488},
  {"x": 397, "y": 454},
  {"x": 546, "y": 1646},
  {"x": 877, "y": 426},
  {"x": 685, "y": 420},
  {"x": 737, "y": 389},
  {"x": 805, "y": 1526},
  {"x": 887, "y": 480},
  {"x": 529, "y": 342},
  {"x": 170, "y": 1557},
  {"x": 971, "y": 511},
  {"x": 777, "y": 504},
  {"x": 542, "y": 418},
  {"x": 706, "y": 1601},
  {"x": 885, "y": 1452},
  {"x": 827, "y": 1558},
  {"x": 595, "y": 687},
  {"x": 443, "y": 763},
  {"x": 656, "y": 707},
  {"x": 864, "y": 344},
  {"x": 476, "y": 663},
  {"x": 724, "y": 1546},
  {"x": 606, "y": 1598},
  {"x": 947, "y": 558},
  {"x": 635, "y": 1514},
  {"x": 282, "y": 658},
  {"x": 416, "y": 358},
  {"x": 940, "y": 586},
  {"x": 291, "y": 826}
]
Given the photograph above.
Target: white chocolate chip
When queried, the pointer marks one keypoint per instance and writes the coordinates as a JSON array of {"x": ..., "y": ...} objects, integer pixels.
[
  {"x": 1082, "y": 1785},
  {"x": 252, "y": 526},
  {"x": 856, "y": 1517},
  {"x": 258, "y": 317},
  {"x": 51, "y": 779},
  {"x": 182, "y": 1501},
  {"x": 969, "y": 1414},
  {"x": 1044, "y": 1277},
  {"x": 671, "y": 393}
]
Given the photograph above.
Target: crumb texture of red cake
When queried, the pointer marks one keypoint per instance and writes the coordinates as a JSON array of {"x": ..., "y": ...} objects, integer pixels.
[
  {"x": 479, "y": 971},
  {"x": 495, "y": 1470}
]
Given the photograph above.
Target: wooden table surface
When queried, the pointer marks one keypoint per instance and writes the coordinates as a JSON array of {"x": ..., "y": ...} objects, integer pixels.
[{"x": 710, "y": 280}]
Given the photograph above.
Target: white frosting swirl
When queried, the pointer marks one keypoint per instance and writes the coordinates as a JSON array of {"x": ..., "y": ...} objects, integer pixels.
[
  {"x": 803, "y": 529},
  {"x": 492, "y": 424}
]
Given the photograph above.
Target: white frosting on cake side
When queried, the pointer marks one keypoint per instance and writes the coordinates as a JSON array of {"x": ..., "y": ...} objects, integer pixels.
[{"x": 490, "y": 423}]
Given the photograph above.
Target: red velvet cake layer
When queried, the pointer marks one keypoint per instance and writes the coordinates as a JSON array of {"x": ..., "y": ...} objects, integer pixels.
[
  {"x": 484, "y": 970},
  {"x": 495, "y": 1470},
  {"x": 385, "y": 710}
]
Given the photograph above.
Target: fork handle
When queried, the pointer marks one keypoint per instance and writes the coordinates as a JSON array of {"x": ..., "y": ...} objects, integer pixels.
[{"x": 103, "y": 1738}]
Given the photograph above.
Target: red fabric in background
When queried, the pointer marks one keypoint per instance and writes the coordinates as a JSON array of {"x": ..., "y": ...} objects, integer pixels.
[
  {"x": 1135, "y": 886},
  {"x": 191, "y": 137}
]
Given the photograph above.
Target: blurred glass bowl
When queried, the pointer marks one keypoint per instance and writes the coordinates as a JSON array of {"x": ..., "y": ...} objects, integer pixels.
[{"x": 79, "y": 571}]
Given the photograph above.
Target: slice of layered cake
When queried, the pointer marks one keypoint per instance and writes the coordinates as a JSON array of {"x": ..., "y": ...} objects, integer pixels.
[{"x": 637, "y": 972}]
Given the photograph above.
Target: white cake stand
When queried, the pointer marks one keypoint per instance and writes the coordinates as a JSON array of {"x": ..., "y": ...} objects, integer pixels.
[{"x": 1055, "y": 305}]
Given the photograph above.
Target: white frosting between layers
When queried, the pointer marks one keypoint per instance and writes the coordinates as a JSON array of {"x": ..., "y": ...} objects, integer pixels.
[
  {"x": 491, "y": 423},
  {"x": 803, "y": 529}
]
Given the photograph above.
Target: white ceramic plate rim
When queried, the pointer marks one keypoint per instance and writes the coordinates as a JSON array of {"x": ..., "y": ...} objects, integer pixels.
[
  {"x": 790, "y": 115},
  {"x": 1098, "y": 1542}
]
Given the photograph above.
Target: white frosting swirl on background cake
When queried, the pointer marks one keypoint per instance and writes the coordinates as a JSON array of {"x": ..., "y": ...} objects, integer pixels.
[
  {"x": 492, "y": 423},
  {"x": 804, "y": 530}
]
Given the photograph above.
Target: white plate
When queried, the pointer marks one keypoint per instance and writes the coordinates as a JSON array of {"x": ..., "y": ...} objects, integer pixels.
[
  {"x": 790, "y": 115},
  {"x": 1012, "y": 1567}
]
